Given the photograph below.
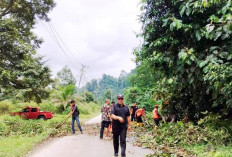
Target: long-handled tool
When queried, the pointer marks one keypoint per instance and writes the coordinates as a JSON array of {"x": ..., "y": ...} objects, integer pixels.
[{"x": 59, "y": 125}]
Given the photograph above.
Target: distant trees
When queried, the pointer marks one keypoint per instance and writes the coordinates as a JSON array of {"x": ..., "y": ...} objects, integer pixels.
[
  {"x": 108, "y": 85},
  {"x": 65, "y": 77}
]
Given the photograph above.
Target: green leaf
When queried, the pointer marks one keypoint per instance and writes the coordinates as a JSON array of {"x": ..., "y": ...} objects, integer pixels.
[
  {"x": 182, "y": 10},
  {"x": 202, "y": 64},
  {"x": 209, "y": 28},
  {"x": 217, "y": 35}
]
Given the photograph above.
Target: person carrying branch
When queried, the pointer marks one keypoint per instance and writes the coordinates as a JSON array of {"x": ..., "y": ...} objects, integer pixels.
[
  {"x": 139, "y": 113},
  {"x": 75, "y": 116}
]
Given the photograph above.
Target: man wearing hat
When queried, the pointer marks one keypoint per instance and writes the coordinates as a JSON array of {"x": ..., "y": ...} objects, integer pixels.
[{"x": 121, "y": 122}]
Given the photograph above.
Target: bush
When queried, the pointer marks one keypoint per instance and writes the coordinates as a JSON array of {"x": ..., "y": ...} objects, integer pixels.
[
  {"x": 212, "y": 130},
  {"x": 48, "y": 107}
]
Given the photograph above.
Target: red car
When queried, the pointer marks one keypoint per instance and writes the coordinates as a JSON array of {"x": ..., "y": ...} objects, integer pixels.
[{"x": 33, "y": 113}]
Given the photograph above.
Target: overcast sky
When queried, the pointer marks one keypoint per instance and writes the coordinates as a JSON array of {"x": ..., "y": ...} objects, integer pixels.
[{"x": 98, "y": 33}]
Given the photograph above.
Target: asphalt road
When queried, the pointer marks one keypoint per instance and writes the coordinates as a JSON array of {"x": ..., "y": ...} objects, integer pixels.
[{"x": 83, "y": 145}]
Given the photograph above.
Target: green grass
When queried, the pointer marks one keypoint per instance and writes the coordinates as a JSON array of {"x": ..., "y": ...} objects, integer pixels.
[
  {"x": 19, "y": 136},
  {"x": 15, "y": 146},
  {"x": 210, "y": 151}
]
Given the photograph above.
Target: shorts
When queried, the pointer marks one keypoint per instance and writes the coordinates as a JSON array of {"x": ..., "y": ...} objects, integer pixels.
[
  {"x": 156, "y": 121},
  {"x": 139, "y": 119},
  {"x": 106, "y": 124}
]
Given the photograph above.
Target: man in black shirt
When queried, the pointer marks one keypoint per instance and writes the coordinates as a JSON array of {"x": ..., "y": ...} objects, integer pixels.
[
  {"x": 75, "y": 116},
  {"x": 121, "y": 122}
]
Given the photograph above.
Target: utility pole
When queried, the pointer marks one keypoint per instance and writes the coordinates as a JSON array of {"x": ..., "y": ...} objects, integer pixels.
[{"x": 82, "y": 71}]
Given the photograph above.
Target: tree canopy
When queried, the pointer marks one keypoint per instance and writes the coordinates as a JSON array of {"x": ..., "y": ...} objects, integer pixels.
[
  {"x": 188, "y": 43},
  {"x": 20, "y": 68},
  {"x": 66, "y": 77}
]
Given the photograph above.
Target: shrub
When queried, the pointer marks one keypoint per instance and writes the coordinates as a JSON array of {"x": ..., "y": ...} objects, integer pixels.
[{"x": 5, "y": 107}]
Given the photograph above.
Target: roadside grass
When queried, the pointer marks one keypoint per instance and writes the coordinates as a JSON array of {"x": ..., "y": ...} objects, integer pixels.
[
  {"x": 18, "y": 146},
  {"x": 210, "y": 150},
  {"x": 18, "y": 136}
]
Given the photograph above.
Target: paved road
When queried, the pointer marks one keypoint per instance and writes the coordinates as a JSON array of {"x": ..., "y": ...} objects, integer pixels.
[
  {"x": 94, "y": 120},
  {"x": 82, "y": 145}
]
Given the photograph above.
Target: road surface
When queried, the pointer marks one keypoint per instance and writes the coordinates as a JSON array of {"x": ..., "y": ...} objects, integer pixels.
[{"x": 83, "y": 145}]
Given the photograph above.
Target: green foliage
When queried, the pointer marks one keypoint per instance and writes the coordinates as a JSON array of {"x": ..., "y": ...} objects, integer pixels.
[
  {"x": 171, "y": 138},
  {"x": 22, "y": 73},
  {"x": 108, "y": 95},
  {"x": 4, "y": 107},
  {"x": 88, "y": 97},
  {"x": 108, "y": 85},
  {"x": 185, "y": 59},
  {"x": 63, "y": 95},
  {"x": 66, "y": 77}
]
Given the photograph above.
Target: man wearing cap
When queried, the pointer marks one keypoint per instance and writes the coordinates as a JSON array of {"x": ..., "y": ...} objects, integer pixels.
[
  {"x": 75, "y": 116},
  {"x": 121, "y": 122}
]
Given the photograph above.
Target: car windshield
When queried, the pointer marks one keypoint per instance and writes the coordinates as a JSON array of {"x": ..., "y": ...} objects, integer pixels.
[{"x": 25, "y": 110}]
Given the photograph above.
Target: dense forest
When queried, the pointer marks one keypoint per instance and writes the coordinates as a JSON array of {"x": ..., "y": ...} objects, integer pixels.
[{"x": 108, "y": 87}]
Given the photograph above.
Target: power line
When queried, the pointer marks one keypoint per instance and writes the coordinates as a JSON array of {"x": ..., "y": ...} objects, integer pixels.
[
  {"x": 50, "y": 23},
  {"x": 58, "y": 43},
  {"x": 55, "y": 40},
  {"x": 52, "y": 34}
]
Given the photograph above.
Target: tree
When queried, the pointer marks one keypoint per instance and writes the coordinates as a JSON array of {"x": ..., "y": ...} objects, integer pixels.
[
  {"x": 92, "y": 86},
  {"x": 121, "y": 79},
  {"x": 21, "y": 71},
  {"x": 88, "y": 97},
  {"x": 189, "y": 43},
  {"x": 63, "y": 95},
  {"x": 66, "y": 77},
  {"x": 108, "y": 94}
]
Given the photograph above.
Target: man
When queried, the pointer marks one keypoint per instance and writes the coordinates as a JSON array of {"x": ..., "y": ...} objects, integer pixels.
[
  {"x": 139, "y": 113},
  {"x": 133, "y": 109},
  {"x": 110, "y": 126},
  {"x": 75, "y": 116},
  {"x": 156, "y": 115},
  {"x": 105, "y": 110},
  {"x": 121, "y": 122}
]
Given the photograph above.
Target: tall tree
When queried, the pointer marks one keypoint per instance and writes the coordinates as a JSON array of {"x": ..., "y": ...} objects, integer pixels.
[
  {"x": 66, "y": 77},
  {"x": 190, "y": 43},
  {"x": 20, "y": 69}
]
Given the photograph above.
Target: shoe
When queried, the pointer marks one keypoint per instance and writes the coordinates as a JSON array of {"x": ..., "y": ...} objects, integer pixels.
[
  {"x": 115, "y": 154},
  {"x": 73, "y": 133},
  {"x": 81, "y": 132}
]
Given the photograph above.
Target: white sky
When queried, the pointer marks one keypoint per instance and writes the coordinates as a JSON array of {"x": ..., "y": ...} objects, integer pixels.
[{"x": 98, "y": 33}]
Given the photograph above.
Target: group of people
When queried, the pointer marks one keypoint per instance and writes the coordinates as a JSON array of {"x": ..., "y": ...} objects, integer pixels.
[
  {"x": 118, "y": 117},
  {"x": 137, "y": 114}
]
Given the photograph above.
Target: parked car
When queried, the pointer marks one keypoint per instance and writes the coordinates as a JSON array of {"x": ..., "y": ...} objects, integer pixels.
[{"x": 33, "y": 113}]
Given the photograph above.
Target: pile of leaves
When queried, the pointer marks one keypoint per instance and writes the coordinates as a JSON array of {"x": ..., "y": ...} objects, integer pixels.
[
  {"x": 14, "y": 125},
  {"x": 171, "y": 139}
]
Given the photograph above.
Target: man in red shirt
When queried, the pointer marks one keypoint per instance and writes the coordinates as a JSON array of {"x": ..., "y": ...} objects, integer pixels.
[{"x": 139, "y": 113}]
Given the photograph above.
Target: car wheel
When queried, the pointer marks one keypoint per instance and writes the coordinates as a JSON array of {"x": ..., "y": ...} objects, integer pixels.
[{"x": 42, "y": 117}]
